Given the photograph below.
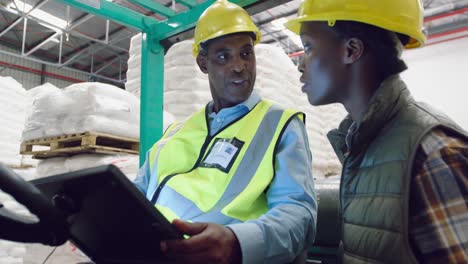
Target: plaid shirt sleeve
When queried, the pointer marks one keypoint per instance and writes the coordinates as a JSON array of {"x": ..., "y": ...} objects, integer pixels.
[{"x": 438, "y": 225}]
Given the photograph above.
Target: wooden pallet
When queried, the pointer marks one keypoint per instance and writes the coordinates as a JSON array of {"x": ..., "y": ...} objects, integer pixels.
[
  {"x": 19, "y": 167},
  {"x": 88, "y": 142}
]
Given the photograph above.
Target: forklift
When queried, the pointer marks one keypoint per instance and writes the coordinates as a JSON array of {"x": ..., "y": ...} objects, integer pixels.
[{"x": 108, "y": 219}]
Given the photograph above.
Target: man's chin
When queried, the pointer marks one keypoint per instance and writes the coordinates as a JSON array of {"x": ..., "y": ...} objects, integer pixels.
[
  {"x": 239, "y": 95},
  {"x": 315, "y": 101}
]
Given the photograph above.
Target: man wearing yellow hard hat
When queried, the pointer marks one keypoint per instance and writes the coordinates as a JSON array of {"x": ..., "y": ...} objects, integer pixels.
[
  {"x": 405, "y": 165},
  {"x": 237, "y": 173}
]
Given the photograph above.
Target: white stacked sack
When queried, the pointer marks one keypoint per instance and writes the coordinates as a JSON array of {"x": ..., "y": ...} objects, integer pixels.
[
  {"x": 133, "y": 83},
  {"x": 134, "y": 66},
  {"x": 186, "y": 90},
  {"x": 13, "y": 100},
  {"x": 12, "y": 252},
  {"x": 128, "y": 164},
  {"x": 47, "y": 106},
  {"x": 82, "y": 107},
  {"x": 102, "y": 108}
]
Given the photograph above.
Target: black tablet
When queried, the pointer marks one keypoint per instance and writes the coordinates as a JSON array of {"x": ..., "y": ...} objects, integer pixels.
[{"x": 110, "y": 220}]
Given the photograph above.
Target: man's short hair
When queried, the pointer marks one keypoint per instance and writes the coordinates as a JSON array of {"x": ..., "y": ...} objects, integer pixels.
[{"x": 385, "y": 46}]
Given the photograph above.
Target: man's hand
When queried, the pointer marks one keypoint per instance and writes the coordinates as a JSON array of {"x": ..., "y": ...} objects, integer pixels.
[{"x": 208, "y": 243}]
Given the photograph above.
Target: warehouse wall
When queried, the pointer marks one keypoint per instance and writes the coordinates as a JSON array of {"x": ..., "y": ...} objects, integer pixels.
[
  {"x": 29, "y": 79},
  {"x": 438, "y": 74}
]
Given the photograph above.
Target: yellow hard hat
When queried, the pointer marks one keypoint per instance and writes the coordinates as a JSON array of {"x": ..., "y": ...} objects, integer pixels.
[
  {"x": 401, "y": 16},
  {"x": 223, "y": 18}
]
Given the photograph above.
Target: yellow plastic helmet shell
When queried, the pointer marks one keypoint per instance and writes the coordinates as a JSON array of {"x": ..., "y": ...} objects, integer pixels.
[
  {"x": 222, "y": 18},
  {"x": 401, "y": 16}
]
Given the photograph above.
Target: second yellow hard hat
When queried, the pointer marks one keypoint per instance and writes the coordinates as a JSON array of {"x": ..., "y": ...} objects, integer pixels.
[{"x": 401, "y": 16}]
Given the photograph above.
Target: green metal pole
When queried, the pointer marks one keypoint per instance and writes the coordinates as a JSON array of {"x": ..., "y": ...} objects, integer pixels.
[{"x": 152, "y": 91}]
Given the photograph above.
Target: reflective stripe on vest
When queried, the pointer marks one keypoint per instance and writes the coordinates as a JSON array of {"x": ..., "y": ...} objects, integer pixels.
[{"x": 193, "y": 192}]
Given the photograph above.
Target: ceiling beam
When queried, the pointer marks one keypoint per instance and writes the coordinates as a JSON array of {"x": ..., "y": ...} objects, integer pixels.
[
  {"x": 112, "y": 11},
  {"x": 24, "y": 15},
  {"x": 252, "y": 9},
  {"x": 272, "y": 18},
  {"x": 106, "y": 64},
  {"x": 75, "y": 33},
  {"x": 9, "y": 27},
  {"x": 79, "y": 21},
  {"x": 155, "y": 7},
  {"x": 262, "y": 5},
  {"x": 91, "y": 48},
  {"x": 57, "y": 65},
  {"x": 448, "y": 27},
  {"x": 84, "y": 48},
  {"x": 275, "y": 40},
  {"x": 42, "y": 43}
]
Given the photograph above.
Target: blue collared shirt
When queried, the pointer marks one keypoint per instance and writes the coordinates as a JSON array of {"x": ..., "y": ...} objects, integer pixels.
[{"x": 289, "y": 226}]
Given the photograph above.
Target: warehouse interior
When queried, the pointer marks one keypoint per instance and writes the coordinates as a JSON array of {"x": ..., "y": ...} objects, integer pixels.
[{"x": 74, "y": 66}]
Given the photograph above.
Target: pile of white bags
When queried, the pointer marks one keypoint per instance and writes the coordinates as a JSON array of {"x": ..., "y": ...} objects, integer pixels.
[
  {"x": 12, "y": 252},
  {"x": 186, "y": 90},
  {"x": 133, "y": 83},
  {"x": 13, "y": 100},
  {"x": 50, "y": 111},
  {"x": 134, "y": 66},
  {"x": 128, "y": 164},
  {"x": 94, "y": 107},
  {"x": 13, "y": 105}
]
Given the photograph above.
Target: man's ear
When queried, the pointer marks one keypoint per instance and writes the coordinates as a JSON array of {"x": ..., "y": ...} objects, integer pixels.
[
  {"x": 202, "y": 63},
  {"x": 354, "y": 49}
]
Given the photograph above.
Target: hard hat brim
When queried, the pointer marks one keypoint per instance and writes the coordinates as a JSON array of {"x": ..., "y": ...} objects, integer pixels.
[
  {"x": 227, "y": 31},
  {"x": 294, "y": 25}
]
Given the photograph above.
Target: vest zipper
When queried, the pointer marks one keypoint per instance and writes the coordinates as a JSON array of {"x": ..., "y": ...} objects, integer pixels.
[
  {"x": 340, "y": 205},
  {"x": 163, "y": 183}
]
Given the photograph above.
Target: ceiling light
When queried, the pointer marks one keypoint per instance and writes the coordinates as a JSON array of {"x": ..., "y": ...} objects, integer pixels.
[{"x": 17, "y": 6}]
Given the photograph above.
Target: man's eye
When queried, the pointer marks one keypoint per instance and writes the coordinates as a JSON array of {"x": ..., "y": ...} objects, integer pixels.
[{"x": 247, "y": 53}]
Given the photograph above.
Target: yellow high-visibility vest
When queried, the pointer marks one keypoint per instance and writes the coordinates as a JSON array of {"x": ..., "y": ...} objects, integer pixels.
[{"x": 220, "y": 178}]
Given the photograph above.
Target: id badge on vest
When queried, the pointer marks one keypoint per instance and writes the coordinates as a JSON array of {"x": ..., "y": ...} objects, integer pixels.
[{"x": 222, "y": 154}]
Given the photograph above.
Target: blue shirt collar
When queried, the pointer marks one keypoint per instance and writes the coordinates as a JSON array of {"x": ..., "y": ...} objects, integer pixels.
[{"x": 253, "y": 99}]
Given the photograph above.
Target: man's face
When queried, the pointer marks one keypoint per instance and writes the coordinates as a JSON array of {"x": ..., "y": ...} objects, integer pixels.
[
  {"x": 231, "y": 68},
  {"x": 322, "y": 69}
]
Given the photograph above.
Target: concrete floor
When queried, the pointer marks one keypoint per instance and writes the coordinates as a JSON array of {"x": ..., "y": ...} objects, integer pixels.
[{"x": 65, "y": 254}]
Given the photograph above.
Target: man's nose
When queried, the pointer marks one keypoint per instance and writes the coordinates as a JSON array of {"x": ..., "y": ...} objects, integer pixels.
[
  {"x": 238, "y": 64},
  {"x": 300, "y": 65}
]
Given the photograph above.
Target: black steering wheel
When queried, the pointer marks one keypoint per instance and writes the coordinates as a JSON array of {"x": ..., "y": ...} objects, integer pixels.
[{"x": 51, "y": 229}]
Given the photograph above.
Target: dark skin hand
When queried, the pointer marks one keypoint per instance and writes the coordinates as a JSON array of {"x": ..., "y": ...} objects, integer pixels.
[{"x": 208, "y": 243}]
